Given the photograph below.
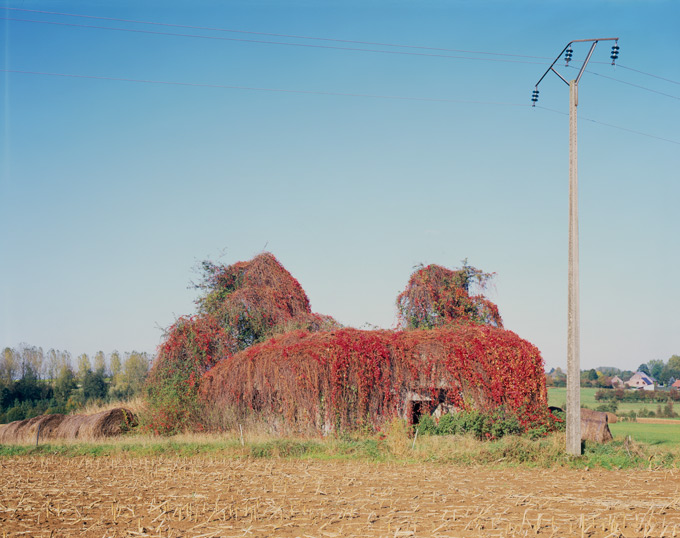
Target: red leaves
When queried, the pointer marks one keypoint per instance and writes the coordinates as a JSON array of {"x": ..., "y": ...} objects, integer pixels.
[
  {"x": 192, "y": 346},
  {"x": 257, "y": 348},
  {"x": 255, "y": 299},
  {"x": 348, "y": 377},
  {"x": 436, "y": 297}
]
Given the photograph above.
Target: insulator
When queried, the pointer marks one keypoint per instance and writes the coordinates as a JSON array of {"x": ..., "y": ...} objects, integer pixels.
[
  {"x": 568, "y": 54},
  {"x": 534, "y": 97},
  {"x": 615, "y": 53}
]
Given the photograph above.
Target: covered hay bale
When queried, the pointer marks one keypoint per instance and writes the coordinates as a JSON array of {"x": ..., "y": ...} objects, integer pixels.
[
  {"x": 27, "y": 430},
  {"x": 11, "y": 432},
  {"x": 594, "y": 426},
  {"x": 349, "y": 379},
  {"x": 104, "y": 424},
  {"x": 47, "y": 424}
]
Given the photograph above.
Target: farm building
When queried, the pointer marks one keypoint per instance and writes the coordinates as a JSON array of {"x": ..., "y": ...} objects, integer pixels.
[
  {"x": 346, "y": 379},
  {"x": 640, "y": 380},
  {"x": 676, "y": 384},
  {"x": 255, "y": 351},
  {"x": 617, "y": 382}
]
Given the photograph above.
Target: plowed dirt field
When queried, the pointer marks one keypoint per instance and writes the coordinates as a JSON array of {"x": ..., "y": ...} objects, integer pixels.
[{"x": 199, "y": 497}]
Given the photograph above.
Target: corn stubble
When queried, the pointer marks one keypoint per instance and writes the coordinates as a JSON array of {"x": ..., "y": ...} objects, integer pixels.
[{"x": 211, "y": 497}]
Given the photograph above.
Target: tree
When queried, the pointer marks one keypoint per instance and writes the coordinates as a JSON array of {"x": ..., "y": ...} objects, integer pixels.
[
  {"x": 655, "y": 368},
  {"x": 94, "y": 386},
  {"x": 130, "y": 379},
  {"x": 559, "y": 377},
  {"x": 27, "y": 388},
  {"x": 9, "y": 365},
  {"x": 603, "y": 381},
  {"x": 65, "y": 384},
  {"x": 52, "y": 367},
  {"x": 671, "y": 369},
  {"x": 115, "y": 364},
  {"x": 100, "y": 363},
  {"x": 32, "y": 357},
  {"x": 135, "y": 368},
  {"x": 436, "y": 296},
  {"x": 84, "y": 366},
  {"x": 644, "y": 369}
]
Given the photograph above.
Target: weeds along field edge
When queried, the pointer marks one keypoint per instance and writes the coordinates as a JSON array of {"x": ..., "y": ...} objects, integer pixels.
[{"x": 510, "y": 451}]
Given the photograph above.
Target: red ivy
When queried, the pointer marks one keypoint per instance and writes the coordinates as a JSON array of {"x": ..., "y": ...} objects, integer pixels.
[{"x": 349, "y": 378}]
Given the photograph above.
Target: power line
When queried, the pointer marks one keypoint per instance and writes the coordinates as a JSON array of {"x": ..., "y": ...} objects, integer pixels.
[
  {"x": 629, "y": 83},
  {"x": 261, "y": 41},
  {"x": 292, "y": 36},
  {"x": 323, "y": 93},
  {"x": 610, "y": 125},
  {"x": 260, "y": 89},
  {"x": 648, "y": 74},
  {"x": 306, "y": 37}
]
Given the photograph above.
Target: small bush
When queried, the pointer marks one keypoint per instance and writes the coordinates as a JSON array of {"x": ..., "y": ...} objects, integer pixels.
[
  {"x": 427, "y": 425},
  {"x": 505, "y": 423},
  {"x": 447, "y": 425},
  {"x": 489, "y": 425},
  {"x": 609, "y": 407}
]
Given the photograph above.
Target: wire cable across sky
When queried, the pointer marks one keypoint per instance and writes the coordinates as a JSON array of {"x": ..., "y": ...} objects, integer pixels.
[
  {"x": 265, "y": 42},
  {"x": 297, "y": 36},
  {"x": 260, "y": 89},
  {"x": 269, "y": 34},
  {"x": 322, "y": 93},
  {"x": 628, "y": 83}
]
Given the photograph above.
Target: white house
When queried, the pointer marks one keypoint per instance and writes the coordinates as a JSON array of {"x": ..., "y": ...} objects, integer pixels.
[{"x": 640, "y": 380}]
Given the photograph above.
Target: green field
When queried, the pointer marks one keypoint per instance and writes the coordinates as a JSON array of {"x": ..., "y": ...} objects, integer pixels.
[
  {"x": 558, "y": 396},
  {"x": 667, "y": 435}
]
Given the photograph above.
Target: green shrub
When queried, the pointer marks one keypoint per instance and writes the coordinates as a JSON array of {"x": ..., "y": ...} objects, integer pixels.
[
  {"x": 447, "y": 425},
  {"x": 609, "y": 407},
  {"x": 558, "y": 421},
  {"x": 483, "y": 425},
  {"x": 504, "y": 423},
  {"x": 427, "y": 425}
]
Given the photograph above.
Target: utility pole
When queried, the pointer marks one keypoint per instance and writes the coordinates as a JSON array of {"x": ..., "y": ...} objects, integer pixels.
[{"x": 573, "y": 314}]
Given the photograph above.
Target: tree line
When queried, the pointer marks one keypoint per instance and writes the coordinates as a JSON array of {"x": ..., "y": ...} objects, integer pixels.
[
  {"x": 34, "y": 382},
  {"x": 664, "y": 373}
]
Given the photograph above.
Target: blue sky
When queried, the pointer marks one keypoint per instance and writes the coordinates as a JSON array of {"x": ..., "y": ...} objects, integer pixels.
[{"x": 111, "y": 191}]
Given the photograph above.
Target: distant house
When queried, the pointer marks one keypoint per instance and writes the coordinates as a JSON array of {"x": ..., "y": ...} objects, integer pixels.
[
  {"x": 617, "y": 383},
  {"x": 676, "y": 385},
  {"x": 640, "y": 380}
]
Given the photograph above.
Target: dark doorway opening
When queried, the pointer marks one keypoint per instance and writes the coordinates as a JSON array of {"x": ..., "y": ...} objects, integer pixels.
[{"x": 416, "y": 412}]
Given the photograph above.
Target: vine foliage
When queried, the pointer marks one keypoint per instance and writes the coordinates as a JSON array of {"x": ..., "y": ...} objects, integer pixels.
[
  {"x": 192, "y": 346},
  {"x": 240, "y": 305},
  {"x": 438, "y": 297},
  {"x": 348, "y": 378},
  {"x": 256, "y": 349},
  {"x": 256, "y": 299}
]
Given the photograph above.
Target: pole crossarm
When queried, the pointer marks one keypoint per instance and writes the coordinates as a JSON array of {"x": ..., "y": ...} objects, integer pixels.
[{"x": 552, "y": 65}]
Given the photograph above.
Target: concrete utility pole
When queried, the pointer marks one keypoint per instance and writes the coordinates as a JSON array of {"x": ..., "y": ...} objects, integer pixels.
[
  {"x": 573, "y": 314},
  {"x": 573, "y": 307}
]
